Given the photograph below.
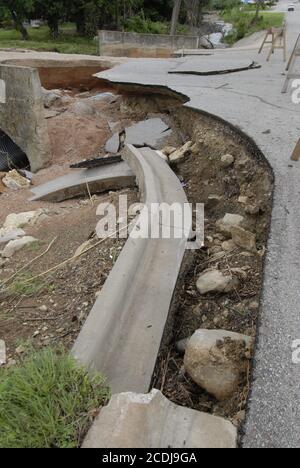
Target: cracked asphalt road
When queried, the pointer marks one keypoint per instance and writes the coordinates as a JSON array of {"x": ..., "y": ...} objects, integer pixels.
[{"x": 252, "y": 102}]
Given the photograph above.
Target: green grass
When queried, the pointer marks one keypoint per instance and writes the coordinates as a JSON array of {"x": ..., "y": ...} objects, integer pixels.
[
  {"x": 23, "y": 287},
  {"x": 48, "y": 401},
  {"x": 68, "y": 41},
  {"x": 243, "y": 25}
]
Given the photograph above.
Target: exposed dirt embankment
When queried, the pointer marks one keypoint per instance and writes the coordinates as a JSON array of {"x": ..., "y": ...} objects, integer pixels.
[
  {"x": 226, "y": 172},
  {"x": 219, "y": 168}
]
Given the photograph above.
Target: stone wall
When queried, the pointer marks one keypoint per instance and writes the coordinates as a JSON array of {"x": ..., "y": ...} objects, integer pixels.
[
  {"x": 123, "y": 44},
  {"x": 22, "y": 113}
]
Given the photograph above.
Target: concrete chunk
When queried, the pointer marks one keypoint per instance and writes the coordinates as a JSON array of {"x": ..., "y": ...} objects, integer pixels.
[{"x": 134, "y": 420}]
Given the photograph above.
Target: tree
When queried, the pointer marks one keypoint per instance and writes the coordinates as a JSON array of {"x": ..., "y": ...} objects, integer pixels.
[
  {"x": 19, "y": 11},
  {"x": 175, "y": 16},
  {"x": 52, "y": 11},
  {"x": 259, "y": 6}
]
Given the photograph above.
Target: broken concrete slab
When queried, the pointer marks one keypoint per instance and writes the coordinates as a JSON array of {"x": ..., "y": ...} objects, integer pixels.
[
  {"x": 150, "y": 132},
  {"x": 152, "y": 421},
  {"x": 147, "y": 267},
  {"x": 74, "y": 184}
]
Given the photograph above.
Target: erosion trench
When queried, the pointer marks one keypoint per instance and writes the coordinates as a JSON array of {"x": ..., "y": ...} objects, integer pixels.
[{"x": 222, "y": 169}]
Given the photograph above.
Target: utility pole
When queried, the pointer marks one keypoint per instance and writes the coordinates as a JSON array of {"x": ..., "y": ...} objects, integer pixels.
[{"x": 175, "y": 16}]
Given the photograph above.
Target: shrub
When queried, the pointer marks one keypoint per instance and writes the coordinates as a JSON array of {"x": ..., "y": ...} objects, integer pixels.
[{"x": 48, "y": 401}]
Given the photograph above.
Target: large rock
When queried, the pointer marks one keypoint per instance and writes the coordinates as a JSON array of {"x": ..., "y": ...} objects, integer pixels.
[
  {"x": 14, "y": 246},
  {"x": 229, "y": 221},
  {"x": 14, "y": 181},
  {"x": 19, "y": 220},
  {"x": 2, "y": 353},
  {"x": 216, "y": 361},
  {"x": 215, "y": 281},
  {"x": 134, "y": 420},
  {"x": 244, "y": 239}
]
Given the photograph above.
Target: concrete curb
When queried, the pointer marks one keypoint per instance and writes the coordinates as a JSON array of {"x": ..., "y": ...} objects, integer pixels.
[
  {"x": 122, "y": 335},
  {"x": 74, "y": 184}
]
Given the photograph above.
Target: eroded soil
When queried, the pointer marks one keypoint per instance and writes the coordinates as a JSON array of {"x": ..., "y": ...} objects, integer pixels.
[{"x": 244, "y": 188}]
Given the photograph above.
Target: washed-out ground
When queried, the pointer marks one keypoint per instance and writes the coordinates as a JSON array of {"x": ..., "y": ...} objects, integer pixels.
[{"x": 53, "y": 309}]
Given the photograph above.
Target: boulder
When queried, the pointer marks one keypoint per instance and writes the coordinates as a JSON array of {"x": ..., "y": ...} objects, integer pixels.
[
  {"x": 16, "y": 245},
  {"x": 149, "y": 421},
  {"x": 180, "y": 153},
  {"x": 216, "y": 361},
  {"x": 2, "y": 353},
  {"x": 244, "y": 239},
  {"x": 230, "y": 220},
  {"x": 215, "y": 281},
  {"x": 227, "y": 160},
  {"x": 14, "y": 181}
]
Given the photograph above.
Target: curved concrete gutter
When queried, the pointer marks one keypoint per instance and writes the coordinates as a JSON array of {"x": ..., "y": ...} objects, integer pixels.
[
  {"x": 74, "y": 184},
  {"x": 124, "y": 330},
  {"x": 254, "y": 106}
]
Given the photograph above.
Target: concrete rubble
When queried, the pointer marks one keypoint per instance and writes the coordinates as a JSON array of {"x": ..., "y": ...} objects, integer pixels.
[
  {"x": 133, "y": 420},
  {"x": 211, "y": 367},
  {"x": 150, "y": 132}
]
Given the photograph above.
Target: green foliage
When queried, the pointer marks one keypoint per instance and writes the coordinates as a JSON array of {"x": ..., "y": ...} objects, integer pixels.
[
  {"x": 140, "y": 24},
  {"x": 244, "y": 24},
  {"x": 68, "y": 41},
  {"x": 48, "y": 401}
]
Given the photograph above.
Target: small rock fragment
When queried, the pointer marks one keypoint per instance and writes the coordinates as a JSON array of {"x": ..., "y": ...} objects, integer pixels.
[
  {"x": 14, "y": 181},
  {"x": 16, "y": 245},
  {"x": 215, "y": 281},
  {"x": 179, "y": 154},
  {"x": 230, "y": 220},
  {"x": 244, "y": 239},
  {"x": 168, "y": 150},
  {"x": 227, "y": 160}
]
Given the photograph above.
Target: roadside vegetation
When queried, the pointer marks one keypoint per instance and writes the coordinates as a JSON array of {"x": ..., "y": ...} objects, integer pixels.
[
  {"x": 68, "y": 41},
  {"x": 70, "y": 26},
  {"x": 248, "y": 20},
  {"x": 47, "y": 401}
]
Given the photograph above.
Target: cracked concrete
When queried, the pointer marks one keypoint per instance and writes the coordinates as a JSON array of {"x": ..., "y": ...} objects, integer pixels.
[{"x": 255, "y": 107}]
